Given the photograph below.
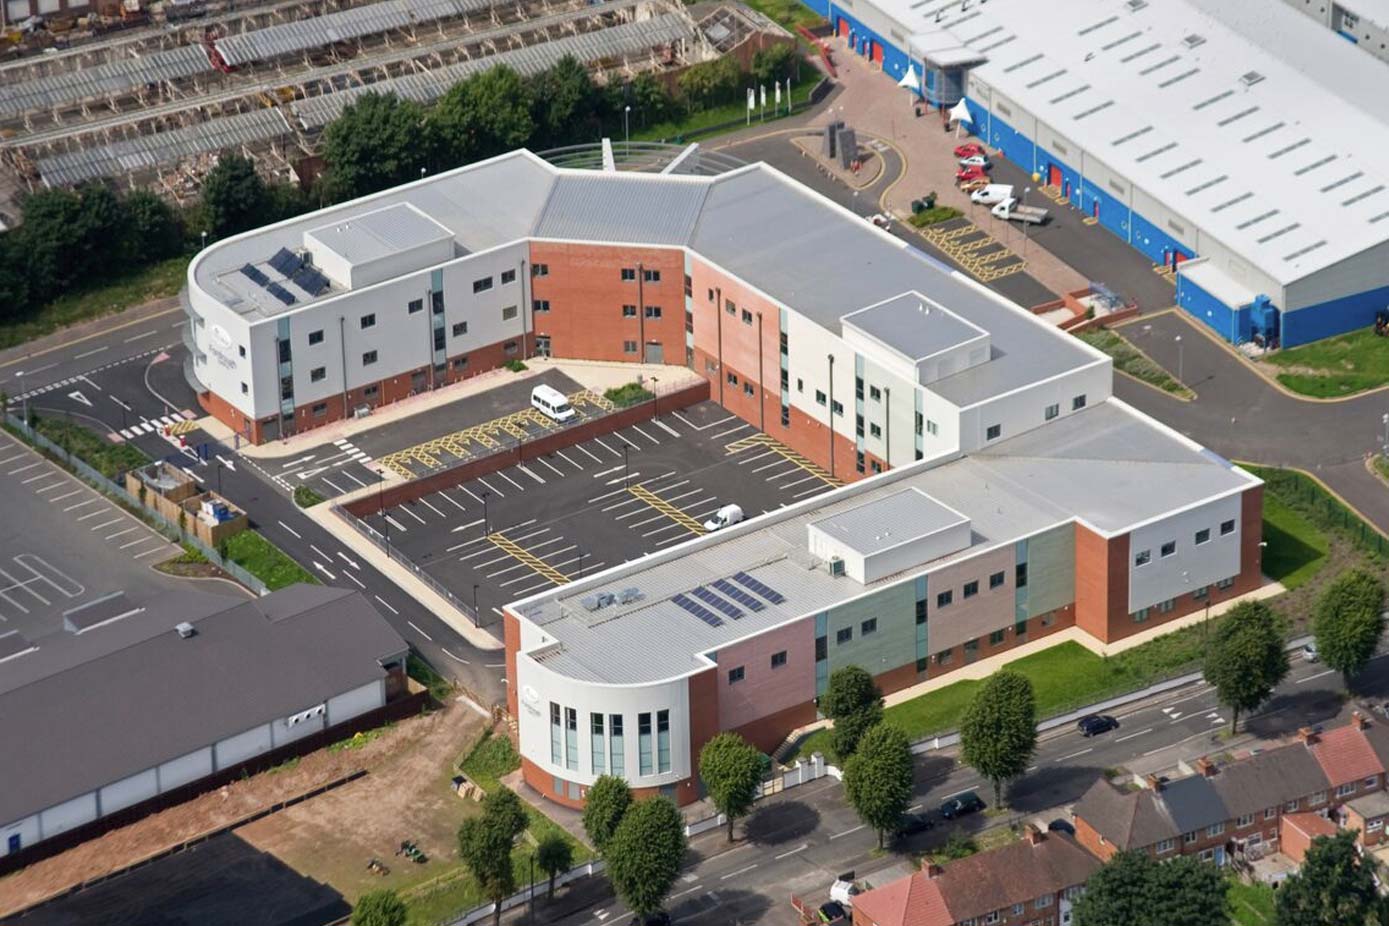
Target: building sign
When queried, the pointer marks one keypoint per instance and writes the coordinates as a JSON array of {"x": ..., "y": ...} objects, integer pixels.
[{"x": 220, "y": 344}]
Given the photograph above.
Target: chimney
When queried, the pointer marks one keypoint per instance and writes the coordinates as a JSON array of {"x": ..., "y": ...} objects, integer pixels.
[
  {"x": 1205, "y": 767},
  {"x": 1153, "y": 782},
  {"x": 1307, "y": 735},
  {"x": 1359, "y": 720},
  {"x": 933, "y": 871},
  {"x": 1033, "y": 834}
]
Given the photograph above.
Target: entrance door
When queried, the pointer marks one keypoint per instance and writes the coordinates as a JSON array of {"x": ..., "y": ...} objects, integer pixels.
[
  {"x": 877, "y": 53},
  {"x": 1095, "y": 208},
  {"x": 1054, "y": 176},
  {"x": 654, "y": 352},
  {"x": 1066, "y": 189},
  {"x": 15, "y": 844},
  {"x": 843, "y": 27},
  {"x": 542, "y": 345}
]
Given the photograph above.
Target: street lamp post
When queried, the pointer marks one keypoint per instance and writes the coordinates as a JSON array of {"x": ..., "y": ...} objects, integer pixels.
[
  {"x": 204, "y": 240},
  {"x": 477, "y": 618},
  {"x": 626, "y": 135},
  {"x": 1385, "y": 420},
  {"x": 23, "y": 401},
  {"x": 486, "y": 524},
  {"x": 381, "y": 506},
  {"x": 1178, "y": 339},
  {"x": 626, "y": 475},
  {"x": 1025, "y": 191}
]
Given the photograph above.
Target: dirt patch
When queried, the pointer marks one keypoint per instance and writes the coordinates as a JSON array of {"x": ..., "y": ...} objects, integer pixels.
[{"x": 407, "y": 760}]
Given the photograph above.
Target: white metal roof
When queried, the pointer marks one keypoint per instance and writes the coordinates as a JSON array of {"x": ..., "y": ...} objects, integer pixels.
[
  {"x": 1211, "y": 120},
  {"x": 380, "y": 233}
]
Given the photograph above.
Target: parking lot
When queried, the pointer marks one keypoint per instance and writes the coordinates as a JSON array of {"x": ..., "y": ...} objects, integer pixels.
[{"x": 594, "y": 505}]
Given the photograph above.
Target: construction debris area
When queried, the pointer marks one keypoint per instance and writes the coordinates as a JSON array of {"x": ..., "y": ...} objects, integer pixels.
[{"x": 153, "y": 106}]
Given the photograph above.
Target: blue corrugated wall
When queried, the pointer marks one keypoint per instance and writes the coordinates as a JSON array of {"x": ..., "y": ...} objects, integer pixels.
[
  {"x": 1230, "y": 323},
  {"x": 1337, "y": 316}
]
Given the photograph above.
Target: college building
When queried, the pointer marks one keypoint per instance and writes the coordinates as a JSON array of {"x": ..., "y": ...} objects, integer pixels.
[
  {"x": 1237, "y": 144},
  {"x": 123, "y": 709}
]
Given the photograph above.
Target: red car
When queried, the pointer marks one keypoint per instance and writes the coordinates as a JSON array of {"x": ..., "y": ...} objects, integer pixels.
[
  {"x": 973, "y": 172},
  {"x": 969, "y": 150}
]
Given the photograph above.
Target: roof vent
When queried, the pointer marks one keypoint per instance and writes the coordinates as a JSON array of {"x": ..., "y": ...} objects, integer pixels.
[
  {"x": 1136, "y": 5},
  {"x": 1250, "y": 78},
  {"x": 185, "y": 629},
  {"x": 1191, "y": 41},
  {"x": 836, "y": 566}
]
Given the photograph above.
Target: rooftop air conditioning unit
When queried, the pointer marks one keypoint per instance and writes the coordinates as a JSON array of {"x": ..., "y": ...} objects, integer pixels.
[
  {"x": 185, "y": 629},
  {"x": 836, "y": 566}
]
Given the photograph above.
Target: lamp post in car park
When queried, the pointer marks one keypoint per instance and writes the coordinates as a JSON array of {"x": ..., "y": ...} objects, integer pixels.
[{"x": 1178, "y": 340}]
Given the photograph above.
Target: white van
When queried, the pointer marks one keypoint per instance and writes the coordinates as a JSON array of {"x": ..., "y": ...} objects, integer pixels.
[
  {"x": 726, "y": 516},
  {"x": 991, "y": 194},
  {"x": 551, "y": 403}
]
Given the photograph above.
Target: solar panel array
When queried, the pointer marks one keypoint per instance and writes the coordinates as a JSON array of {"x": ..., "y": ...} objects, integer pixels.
[
  {"x": 254, "y": 274},
  {"x": 310, "y": 280},
  {"x": 619, "y": 41},
  {"x": 698, "y": 610},
  {"x": 149, "y": 151},
  {"x": 103, "y": 80},
  {"x": 717, "y": 603},
  {"x": 738, "y": 595},
  {"x": 280, "y": 293},
  {"x": 286, "y": 262},
  {"x": 766, "y": 591},
  {"x": 318, "y": 31}
]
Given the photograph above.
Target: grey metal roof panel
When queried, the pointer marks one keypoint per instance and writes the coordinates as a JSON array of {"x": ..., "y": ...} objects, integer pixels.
[
  {"x": 102, "y": 80},
  {"x": 622, "y": 207},
  {"x": 331, "y": 28},
  {"x": 382, "y": 232},
  {"x": 95, "y": 708},
  {"x": 914, "y": 326},
  {"x": 889, "y": 521}
]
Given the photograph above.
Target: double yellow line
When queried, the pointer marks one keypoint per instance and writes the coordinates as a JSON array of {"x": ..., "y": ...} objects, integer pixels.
[
  {"x": 521, "y": 554},
  {"x": 666, "y": 508}
]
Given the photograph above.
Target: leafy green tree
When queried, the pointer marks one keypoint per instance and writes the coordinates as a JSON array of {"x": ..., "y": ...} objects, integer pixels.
[
  {"x": 483, "y": 115},
  {"x": 643, "y": 856},
  {"x": 1348, "y": 622},
  {"x": 649, "y": 99},
  {"x": 1334, "y": 887},
  {"x": 15, "y": 280},
  {"x": 773, "y": 63},
  {"x": 854, "y": 702},
  {"x": 554, "y": 855},
  {"x": 379, "y": 141},
  {"x": 1245, "y": 659},
  {"x": 102, "y": 232},
  {"x": 731, "y": 769},
  {"x": 156, "y": 229},
  {"x": 1117, "y": 893},
  {"x": 234, "y": 197},
  {"x": 607, "y": 803},
  {"x": 565, "y": 104},
  {"x": 1132, "y": 889},
  {"x": 379, "y": 908},
  {"x": 998, "y": 732},
  {"x": 710, "y": 83},
  {"x": 48, "y": 241},
  {"x": 878, "y": 778},
  {"x": 485, "y": 842}
]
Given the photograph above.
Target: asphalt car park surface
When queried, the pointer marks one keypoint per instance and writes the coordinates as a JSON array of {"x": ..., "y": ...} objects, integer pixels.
[{"x": 594, "y": 505}]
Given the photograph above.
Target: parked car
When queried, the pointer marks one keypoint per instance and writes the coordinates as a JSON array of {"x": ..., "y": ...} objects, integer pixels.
[
  {"x": 833, "y": 912},
  {"x": 918, "y": 822},
  {"x": 844, "y": 889},
  {"x": 1095, "y": 724},
  {"x": 976, "y": 160},
  {"x": 992, "y": 193},
  {"x": 962, "y": 806},
  {"x": 970, "y": 186},
  {"x": 882, "y": 220},
  {"x": 973, "y": 172},
  {"x": 1309, "y": 652},
  {"x": 968, "y": 149},
  {"x": 726, "y": 516},
  {"x": 659, "y": 918},
  {"x": 1060, "y": 825}
]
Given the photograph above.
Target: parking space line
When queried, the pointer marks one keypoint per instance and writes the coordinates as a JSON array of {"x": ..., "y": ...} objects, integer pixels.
[
  {"x": 93, "y": 514},
  {"x": 137, "y": 541},
  {"x": 51, "y": 486},
  {"x": 538, "y": 565},
  {"x": 741, "y": 427},
  {"x": 449, "y": 499},
  {"x": 645, "y": 435},
  {"x": 25, "y": 482},
  {"x": 425, "y": 502},
  {"x": 665, "y": 427},
  {"x": 594, "y": 457},
  {"x": 471, "y": 495},
  {"x": 489, "y": 488},
  {"x": 336, "y": 488},
  {"x": 97, "y": 527},
  {"x": 394, "y": 523},
  {"x": 90, "y": 501},
  {"x": 531, "y": 473},
  {"x": 601, "y": 443},
  {"x": 354, "y": 479},
  {"x": 553, "y": 468},
  {"x": 15, "y": 472},
  {"x": 121, "y": 533},
  {"x": 148, "y": 552},
  {"x": 791, "y": 485},
  {"x": 810, "y": 491},
  {"x": 406, "y": 510},
  {"x": 59, "y": 498},
  {"x": 519, "y": 487},
  {"x": 564, "y": 456},
  {"x": 11, "y": 459}
]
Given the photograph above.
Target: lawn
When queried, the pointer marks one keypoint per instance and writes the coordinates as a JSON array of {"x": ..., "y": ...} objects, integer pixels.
[
  {"x": 154, "y": 282},
  {"x": 1250, "y": 904},
  {"x": 265, "y": 561},
  {"x": 1129, "y": 359},
  {"x": 1296, "y": 549},
  {"x": 1304, "y": 496},
  {"x": 1339, "y": 366},
  {"x": 789, "y": 13},
  {"x": 704, "y": 121},
  {"x": 91, "y": 448}
]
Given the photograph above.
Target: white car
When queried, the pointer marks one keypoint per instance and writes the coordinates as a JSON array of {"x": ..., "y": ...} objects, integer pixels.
[
  {"x": 1309, "y": 652},
  {"x": 844, "y": 892},
  {"x": 976, "y": 160},
  {"x": 882, "y": 220},
  {"x": 726, "y": 516}
]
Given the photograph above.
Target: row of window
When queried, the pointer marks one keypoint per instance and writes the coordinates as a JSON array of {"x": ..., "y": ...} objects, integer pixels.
[
  {"x": 995, "y": 431},
  {"x": 651, "y": 311},
  {"x": 1018, "y": 909},
  {"x": 606, "y": 741},
  {"x": 1200, "y": 538},
  {"x": 1165, "y": 607},
  {"x": 629, "y": 275},
  {"x": 971, "y": 588},
  {"x": 484, "y": 284}
]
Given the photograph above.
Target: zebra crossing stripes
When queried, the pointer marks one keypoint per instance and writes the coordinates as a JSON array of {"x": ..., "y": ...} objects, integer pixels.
[
  {"x": 40, "y": 390},
  {"x": 151, "y": 425}
]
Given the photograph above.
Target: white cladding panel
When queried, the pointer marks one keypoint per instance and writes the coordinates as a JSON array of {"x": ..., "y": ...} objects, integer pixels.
[
  {"x": 1190, "y": 566},
  {"x": 811, "y": 346},
  {"x": 1357, "y": 274},
  {"x": 70, "y": 814},
  {"x": 893, "y": 414},
  {"x": 27, "y": 830},
  {"x": 121, "y": 794},
  {"x": 356, "y": 702},
  {"x": 1026, "y": 409},
  {"x": 178, "y": 772},
  {"x": 243, "y": 746}
]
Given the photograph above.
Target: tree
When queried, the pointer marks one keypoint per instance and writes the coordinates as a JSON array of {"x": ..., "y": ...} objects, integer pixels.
[
  {"x": 1132, "y": 889},
  {"x": 1335, "y": 887},
  {"x": 711, "y": 82},
  {"x": 998, "y": 732},
  {"x": 643, "y": 856},
  {"x": 483, "y": 115},
  {"x": 1245, "y": 659},
  {"x": 854, "y": 703},
  {"x": 379, "y": 908},
  {"x": 604, "y": 808},
  {"x": 484, "y": 845},
  {"x": 648, "y": 97},
  {"x": 234, "y": 197},
  {"x": 47, "y": 241},
  {"x": 1348, "y": 622},
  {"x": 379, "y": 141},
  {"x": 731, "y": 769},
  {"x": 878, "y": 778},
  {"x": 565, "y": 103},
  {"x": 156, "y": 229},
  {"x": 554, "y": 855},
  {"x": 773, "y": 63}
]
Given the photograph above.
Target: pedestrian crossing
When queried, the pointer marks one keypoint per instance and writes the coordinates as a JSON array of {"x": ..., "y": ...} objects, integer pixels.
[{"x": 175, "y": 423}]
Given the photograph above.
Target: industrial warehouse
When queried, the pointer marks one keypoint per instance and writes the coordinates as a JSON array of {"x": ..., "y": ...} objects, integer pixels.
[{"x": 1236, "y": 144}]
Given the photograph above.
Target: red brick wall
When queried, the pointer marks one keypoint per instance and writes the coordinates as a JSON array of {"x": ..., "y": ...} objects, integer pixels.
[
  {"x": 704, "y": 726},
  {"x": 1102, "y": 586},
  {"x": 586, "y": 293},
  {"x": 1250, "y": 553},
  {"x": 767, "y": 733},
  {"x": 511, "y": 638}
]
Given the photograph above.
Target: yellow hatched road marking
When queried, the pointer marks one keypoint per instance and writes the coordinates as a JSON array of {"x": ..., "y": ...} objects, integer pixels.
[
  {"x": 183, "y": 427},
  {"x": 667, "y": 509},
  {"x": 785, "y": 452},
  {"x": 520, "y": 553}
]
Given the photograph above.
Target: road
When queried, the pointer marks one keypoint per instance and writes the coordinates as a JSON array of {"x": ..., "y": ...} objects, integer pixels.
[{"x": 796, "y": 842}]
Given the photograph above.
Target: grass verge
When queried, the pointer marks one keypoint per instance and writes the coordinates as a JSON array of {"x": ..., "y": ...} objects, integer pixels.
[
  {"x": 1303, "y": 495},
  {"x": 934, "y": 216},
  {"x": 1250, "y": 904},
  {"x": 1339, "y": 366},
  {"x": 422, "y": 672},
  {"x": 1296, "y": 549},
  {"x": 706, "y": 121},
  {"x": 789, "y": 13},
  {"x": 1134, "y": 362},
  {"x": 305, "y": 497},
  {"x": 265, "y": 561},
  {"x": 157, "y": 281},
  {"x": 91, "y": 448},
  {"x": 629, "y": 394}
]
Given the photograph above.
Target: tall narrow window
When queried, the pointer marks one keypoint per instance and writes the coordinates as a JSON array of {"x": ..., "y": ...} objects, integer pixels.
[
  {"x": 571, "y": 738},
  {"x": 644, "y": 744},
  {"x": 619, "y": 760},
  {"x": 663, "y": 741},
  {"x": 555, "y": 755},
  {"x": 595, "y": 725}
]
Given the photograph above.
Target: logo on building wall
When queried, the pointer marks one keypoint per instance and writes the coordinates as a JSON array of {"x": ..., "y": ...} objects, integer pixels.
[{"x": 220, "y": 346}]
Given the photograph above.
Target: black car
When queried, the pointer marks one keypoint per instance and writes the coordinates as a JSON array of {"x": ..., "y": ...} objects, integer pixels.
[
  {"x": 1061, "y": 826},
  {"x": 918, "y": 822},
  {"x": 833, "y": 912},
  {"x": 962, "y": 806},
  {"x": 659, "y": 918},
  {"x": 1095, "y": 724}
]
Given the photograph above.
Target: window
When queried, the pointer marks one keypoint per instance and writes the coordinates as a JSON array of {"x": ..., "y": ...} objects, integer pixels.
[
  {"x": 875, "y": 393},
  {"x": 778, "y": 659},
  {"x": 919, "y": 420},
  {"x": 509, "y": 311},
  {"x": 1371, "y": 783},
  {"x": 731, "y": 377},
  {"x": 1272, "y": 812},
  {"x": 1020, "y": 629},
  {"x": 436, "y": 303},
  {"x": 460, "y": 329},
  {"x": 1202, "y": 592},
  {"x": 844, "y": 635},
  {"x": 629, "y": 347},
  {"x": 1051, "y": 412},
  {"x": 644, "y": 744},
  {"x": 318, "y": 374},
  {"x": 241, "y": 350},
  {"x": 415, "y": 305},
  {"x": 931, "y": 427},
  {"x": 1215, "y": 829},
  {"x": 540, "y": 305},
  {"x": 320, "y": 409},
  {"x": 540, "y": 270},
  {"x": 245, "y": 390},
  {"x": 943, "y": 599},
  {"x": 1020, "y": 576},
  {"x": 1244, "y": 820},
  {"x": 653, "y": 311},
  {"x": 689, "y": 286},
  {"x": 1375, "y": 825},
  {"x": 747, "y": 389},
  {"x": 1043, "y": 902},
  {"x": 629, "y": 274},
  {"x": 800, "y": 386},
  {"x": 1140, "y": 615},
  {"x": 629, "y": 311},
  {"x": 571, "y": 738},
  {"x": 598, "y": 755},
  {"x": 1318, "y": 798},
  {"x": 615, "y": 743},
  {"x": 509, "y": 348},
  {"x": 368, "y": 358},
  {"x": 1142, "y": 558},
  {"x": 1169, "y": 548},
  {"x": 921, "y": 663},
  {"x": 875, "y": 431},
  {"x": 859, "y": 463},
  {"x": 819, "y": 396},
  {"x": 315, "y": 337},
  {"x": 1203, "y": 536},
  {"x": 868, "y": 627},
  {"x": 508, "y": 276},
  {"x": 555, "y": 757},
  {"x": 663, "y": 741},
  {"x": 858, "y": 387},
  {"x": 996, "y": 580},
  {"x": 822, "y": 649},
  {"x": 1166, "y": 845},
  {"x": 996, "y": 637},
  {"x": 369, "y": 321},
  {"x": 994, "y": 432},
  {"x": 735, "y": 675},
  {"x": 1225, "y": 583},
  {"x": 1189, "y": 838},
  {"x": 1345, "y": 789},
  {"x": 482, "y": 285},
  {"x": 1290, "y": 807},
  {"x": 1078, "y": 402},
  {"x": 837, "y": 407},
  {"x": 747, "y": 317},
  {"x": 439, "y": 339},
  {"x": 944, "y": 657},
  {"x": 729, "y": 307},
  {"x": 1018, "y": 909},
  {"x": 460, "y": 363},
  {"x": 971, "y": 588},
  {"x": 1165, "y": 607},
  {"x": 991, "y": 918},
  {"x": 651, "y": 276},
  {"x": 1227, "y": 527}
]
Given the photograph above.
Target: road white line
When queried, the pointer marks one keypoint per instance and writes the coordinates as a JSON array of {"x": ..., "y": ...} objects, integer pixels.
[
  {"x": 320, "y": 553},
  {"x": 1132, "y": 735},
  {"x": 120, "y": 533},
  {"x": 406, "y": 510},
  {"x": 425, "y": 502},
  {"x": 290, "y": 529},
  {"x": 1318, "y": 675},
  {"x": 601, "y": 443},
  {"x": 591, "y": 455},
  {"x": 90, "y": 501},
  {"x": 419, "y": 631},
  {"x": 566, "y": 458},
  {"x": 801, "y": 848},
  {"x": 645, "y": 435},
  {"x": 93, "y": 514},
  {"x": 136, "y": 337},
  {"x": 471, "y": 495},
  {"x": 847, "y": 832},
  {"x": 359, "y": 582},
  {"x": 25, "y": 482},
  {"x": 136, "y": 541},
  {"x": 449, "y": 499},
  {"x": 385, "y": 604},
  {"x": 1076, "y": 755},
  {"x": 665, "y": 427},
  {"x": 320, "y": 567},
  {"x": 958, "y": 793},
  {"x": 335, "y": 487},
  {"x": 554, "y": 469},
  {"x": 95, "y": 350},
  {"x": 39, "y": 490},
  {"x": 740, "y": 427},
  {"x": 451, "y": 655},
  {"x": 148, "y": 552},
  {"x": 344, "y": 557},
  {"x": 486, "y": 485},
  {"x": 531, "y": 473},
  {"x": 741, "y": 871},
  {"x": 354, "y": 479},
  {"x": 12, "y": 459},
  {"x": 59, "y": 498},
  {"x": 689, "y": 890},
  {"x": 97, "y": 527},
  {"x": 519, "y": 487},
  {"x": 21, "y": 469}
]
